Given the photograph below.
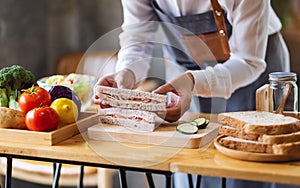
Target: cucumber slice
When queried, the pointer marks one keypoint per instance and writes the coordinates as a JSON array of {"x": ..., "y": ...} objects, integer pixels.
[
  {"x": 201, "y": 122},
  {"x": 207, "y": 121},
  {"x": 193, "y": 123},
  {"x": 187, "y": 128}
]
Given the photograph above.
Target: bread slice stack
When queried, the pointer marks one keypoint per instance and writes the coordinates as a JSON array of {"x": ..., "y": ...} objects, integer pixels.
[{"x": 260, "y": 132}]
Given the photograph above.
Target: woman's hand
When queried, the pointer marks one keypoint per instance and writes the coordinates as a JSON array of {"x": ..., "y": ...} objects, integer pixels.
[
  {"x": 122, "y": 79},
  {"x": 180, "y": 97}
]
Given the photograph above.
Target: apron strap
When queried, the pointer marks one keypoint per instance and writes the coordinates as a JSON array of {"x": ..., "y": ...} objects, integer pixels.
[{"x": 220, "y": 22}]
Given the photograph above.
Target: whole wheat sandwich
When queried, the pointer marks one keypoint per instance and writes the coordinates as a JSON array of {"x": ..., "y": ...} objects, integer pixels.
[
  {"x": 259, "y": 132},
  {"x": 134, "y": 109}
]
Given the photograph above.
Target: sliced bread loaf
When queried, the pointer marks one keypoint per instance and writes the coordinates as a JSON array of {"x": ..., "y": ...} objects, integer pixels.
[{"x": 259, "y": 122}]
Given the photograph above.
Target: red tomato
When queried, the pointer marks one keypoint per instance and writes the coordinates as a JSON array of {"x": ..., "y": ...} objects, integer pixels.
[
  {"x": 34, "y": 97},
  {"x": 42, "y": 119}
]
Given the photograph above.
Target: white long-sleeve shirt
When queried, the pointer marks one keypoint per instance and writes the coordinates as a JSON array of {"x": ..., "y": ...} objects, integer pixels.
[{"x": 252, "y": 21}]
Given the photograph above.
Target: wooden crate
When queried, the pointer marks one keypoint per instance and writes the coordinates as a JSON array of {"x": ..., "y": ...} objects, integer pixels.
[{"x": 49, "y": 138}]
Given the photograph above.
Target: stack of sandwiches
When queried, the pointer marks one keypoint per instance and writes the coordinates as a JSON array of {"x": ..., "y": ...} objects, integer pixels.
[
  {"x": 260, "y": 132},
  {"x": 131, "y": 108}
]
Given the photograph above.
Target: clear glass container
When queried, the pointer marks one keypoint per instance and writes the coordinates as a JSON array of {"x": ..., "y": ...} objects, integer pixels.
[{"x": 284, "y": 92}]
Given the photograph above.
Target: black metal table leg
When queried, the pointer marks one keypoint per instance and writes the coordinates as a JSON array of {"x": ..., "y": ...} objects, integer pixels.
[
  {"x": 168, "y": 180},
  {"x": 190, "y": 179},
  {"x": 80, "y": 184},
  {"x": 54, "y": 170},
  {"x": 223, "y": 182},
  {"x": 150, "y": 180},
  {"x": 123, "y": 178},
  {"x": 8, "y": 172},
  {"x": 56, "y": 176},
  {"x": 198, "y": 183}
]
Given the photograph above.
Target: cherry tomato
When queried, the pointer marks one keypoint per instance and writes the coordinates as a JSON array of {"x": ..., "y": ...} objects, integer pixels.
[
  {"x": 34, "y": 97},
  {"x": 42, "y": 119}
]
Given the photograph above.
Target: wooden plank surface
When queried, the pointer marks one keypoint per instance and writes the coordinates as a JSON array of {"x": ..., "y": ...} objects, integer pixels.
[
  {"x": 210, "y": 162},
  {"x": 204, "y": 161},
  {"x": 77, "y": 149}
]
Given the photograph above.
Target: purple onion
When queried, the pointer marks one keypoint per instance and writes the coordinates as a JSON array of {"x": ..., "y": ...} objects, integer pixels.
[{"x": 59, "y": 91}]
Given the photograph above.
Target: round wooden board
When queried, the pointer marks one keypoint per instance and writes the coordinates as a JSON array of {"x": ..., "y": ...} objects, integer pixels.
[{"x": 250, "y": 156}]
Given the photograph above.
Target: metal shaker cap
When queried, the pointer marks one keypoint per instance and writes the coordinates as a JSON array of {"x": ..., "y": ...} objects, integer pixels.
[{"x": 282, "y": 76}]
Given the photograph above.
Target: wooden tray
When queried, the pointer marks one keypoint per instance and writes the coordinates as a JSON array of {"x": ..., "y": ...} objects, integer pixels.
[
  {"x": 251, "y": 156},
  {"x": 49, "y": 138},
  {"x": 164, "y": 135}
]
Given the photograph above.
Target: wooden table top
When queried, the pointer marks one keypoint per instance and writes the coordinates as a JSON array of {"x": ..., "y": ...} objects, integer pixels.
[
  {"x": 205, "y": 161},
  {"x": 211, "y": 162}
]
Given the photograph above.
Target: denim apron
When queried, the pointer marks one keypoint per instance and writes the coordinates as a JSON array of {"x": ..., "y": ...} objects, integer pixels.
[
  {"x": 277, "y": 59},
  {"x": 241, "y": 99}
]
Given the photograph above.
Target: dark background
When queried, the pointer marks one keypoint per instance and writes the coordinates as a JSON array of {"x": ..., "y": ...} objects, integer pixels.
[
  {"x": 289, "y": 14},
  {"x": 36, "y": 33}
]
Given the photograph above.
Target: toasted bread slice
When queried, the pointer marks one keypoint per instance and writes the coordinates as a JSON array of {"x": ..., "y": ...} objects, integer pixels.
[
  {"x": 281, "y": 138},
  {"x": 237, "y": 132},
  {"x": 259, "y": 122},
  {"x": 292, "y": 148},
  {"x": 245, "y": 145}
]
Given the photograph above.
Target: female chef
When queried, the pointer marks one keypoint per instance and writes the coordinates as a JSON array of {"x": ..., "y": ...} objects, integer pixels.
[{"x": 256, "y": 49}]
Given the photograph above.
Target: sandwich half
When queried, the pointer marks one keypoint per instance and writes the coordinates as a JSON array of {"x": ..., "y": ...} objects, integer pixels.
[
  {"x": 135, "y": 119},
  {"x": 132, "y": 99}
]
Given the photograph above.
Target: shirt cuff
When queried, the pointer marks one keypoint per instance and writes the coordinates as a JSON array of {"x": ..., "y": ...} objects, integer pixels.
[{"x": 212, "y": 82}]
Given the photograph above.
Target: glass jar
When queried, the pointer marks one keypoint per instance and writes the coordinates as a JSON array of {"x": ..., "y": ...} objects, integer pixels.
[{"x": 283, "y": 92}]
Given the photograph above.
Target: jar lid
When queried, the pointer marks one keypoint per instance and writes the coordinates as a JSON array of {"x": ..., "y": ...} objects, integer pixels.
[{"x": 282, "y": 76}]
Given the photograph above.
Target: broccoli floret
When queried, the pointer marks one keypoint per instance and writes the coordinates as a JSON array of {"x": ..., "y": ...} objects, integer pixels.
[
  {"x": 3, "y": 97},
  {"x": 13, "y": 100},
  {"x": 13, "y": 79},
  {"x": 5, "y": 78},
  {"x": 21, "y": 77}
]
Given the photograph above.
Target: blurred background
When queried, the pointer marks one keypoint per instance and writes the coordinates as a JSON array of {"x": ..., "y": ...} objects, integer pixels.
[
  {"x": 36, "y": 33},
  {"x": 289, "y": 14}
]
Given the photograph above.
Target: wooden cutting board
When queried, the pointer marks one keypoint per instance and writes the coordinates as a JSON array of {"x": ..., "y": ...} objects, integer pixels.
[{"x": 164, "y": 135}]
